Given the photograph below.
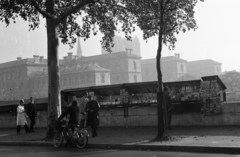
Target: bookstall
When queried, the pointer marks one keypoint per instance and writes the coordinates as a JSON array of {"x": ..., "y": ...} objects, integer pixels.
[{"x": 187, "y": 96}]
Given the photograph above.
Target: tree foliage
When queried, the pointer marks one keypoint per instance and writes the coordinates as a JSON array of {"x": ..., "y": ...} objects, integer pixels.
[
  {"x": 177, "y": 16},
  {"x": 232, "y": 81},
  {"x": 73, "y": 18}
]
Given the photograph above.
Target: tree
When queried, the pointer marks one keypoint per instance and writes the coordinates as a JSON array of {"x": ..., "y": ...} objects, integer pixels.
[
  {"x": 232, "y": 81},
  {"x": 62, "y": 22},
  {"x": 165, "y": 18}
]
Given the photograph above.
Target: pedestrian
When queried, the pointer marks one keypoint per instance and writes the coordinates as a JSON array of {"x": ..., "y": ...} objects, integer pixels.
[
  {"x": 32, "y": 113},
  {"x": 21, "y": 117},
  {"x": 167, "y": 101},
  {"x": 92, "y": 108},
  {"x": 82, "y": 108}
]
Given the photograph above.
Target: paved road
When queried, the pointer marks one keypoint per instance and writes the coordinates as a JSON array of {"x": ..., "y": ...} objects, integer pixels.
[{"x": 21, "y": 151}]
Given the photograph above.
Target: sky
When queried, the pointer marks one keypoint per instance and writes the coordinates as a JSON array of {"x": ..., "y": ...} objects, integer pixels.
[{"x": 217, "y": 38}]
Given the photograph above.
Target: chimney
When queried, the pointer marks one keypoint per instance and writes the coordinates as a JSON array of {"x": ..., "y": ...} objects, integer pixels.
[
  {"x": 177, "y": 55},
  {"x": 19, "y": 58},
  {"x": 41, "y": 59},
  {"x": 36, "y": 58},
  {"x": 70, "y": 56}
]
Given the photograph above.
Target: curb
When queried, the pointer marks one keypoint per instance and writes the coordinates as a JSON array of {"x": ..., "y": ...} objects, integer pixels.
[
  {"x": 196, "y": 149},
  {"x": 173, "y": 148}
]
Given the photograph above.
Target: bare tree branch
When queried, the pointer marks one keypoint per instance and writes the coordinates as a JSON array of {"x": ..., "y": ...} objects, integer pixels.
[
  {"x": 45, "y": 14},
  {"x": 149, "y": 28},
  {"x": 167, "y": 2},
  {"x": 119, "y": 6},
  {"x": 171, "y": 28},
  {"x": 73, "y": 10}
]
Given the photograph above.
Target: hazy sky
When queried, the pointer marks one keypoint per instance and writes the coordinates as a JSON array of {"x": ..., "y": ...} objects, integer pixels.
[{"x": 217, "y": 38}]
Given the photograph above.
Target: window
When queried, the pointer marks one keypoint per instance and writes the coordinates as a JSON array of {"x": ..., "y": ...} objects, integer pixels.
[
  {"x": 64, "y": 82},
  {"x": 3, "y": 76},
  {"x": 70, "y": 82},
  {"x": 76, "y": 80},
  {"x": 135, "y": 66},
  {"x": 102, "y": 78},
  {"x": 181, "y": 68},
  {"x": 135, "y": 78},
  {"x": 43, "y": 84}
]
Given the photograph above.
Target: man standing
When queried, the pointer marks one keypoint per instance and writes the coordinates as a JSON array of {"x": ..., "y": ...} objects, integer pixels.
[
  {"x": 32, "y": 113},
  {"x": 93, "y": 115}
]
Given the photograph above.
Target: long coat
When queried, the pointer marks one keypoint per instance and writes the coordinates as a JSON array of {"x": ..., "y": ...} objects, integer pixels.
[
  {"x": 31, "y": 110},
  {"x": 93, "y": 117},
  {"x": 21, "y": 115},
  {"x": 82, "y": 107}
]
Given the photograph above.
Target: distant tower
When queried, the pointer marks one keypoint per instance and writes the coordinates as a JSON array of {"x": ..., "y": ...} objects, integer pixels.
[
  {"x": 79, "y": 49},
  {"x": 122, "y": 44}
]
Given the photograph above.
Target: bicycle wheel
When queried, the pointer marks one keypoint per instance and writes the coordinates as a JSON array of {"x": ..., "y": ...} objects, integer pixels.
[
  {"x": 82, "y": 140},
  {"x": 57, "y": 139}
]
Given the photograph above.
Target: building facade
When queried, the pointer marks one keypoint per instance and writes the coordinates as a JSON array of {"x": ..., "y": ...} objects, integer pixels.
[
  {"x": 204, "y": 68},
  {"x": 122, "y": 44},
  {"x": 172, "y": 67},
  {"x": 24, "y": 78},
  {"x": 71, "y": 77},
  {"x": 124, "y": 67},
  {"x": 15, "y": 75}
]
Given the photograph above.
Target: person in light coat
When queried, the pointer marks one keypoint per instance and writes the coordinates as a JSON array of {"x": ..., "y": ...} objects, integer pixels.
[
  {"x": 21, "y": 118},
  {"x": 82, "y": 107}
]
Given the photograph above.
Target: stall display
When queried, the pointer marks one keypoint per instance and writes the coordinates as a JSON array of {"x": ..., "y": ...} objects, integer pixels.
[
  {"x": 184, "y": 93},
  {"x": 211, "y": 95},
  {"x": 187, "y": 96}
]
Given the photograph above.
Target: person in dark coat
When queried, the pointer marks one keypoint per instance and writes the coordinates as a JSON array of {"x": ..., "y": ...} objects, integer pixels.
[
  {"x": 32, "y": 113},
  {"x": 167, "y": 100},
  {"x": 74, "y": 119},
  {"x": 92, "y": 109}
]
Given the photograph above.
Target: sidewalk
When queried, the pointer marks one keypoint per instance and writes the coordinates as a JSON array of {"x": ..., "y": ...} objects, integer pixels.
[{"x": 189, "y": 139}]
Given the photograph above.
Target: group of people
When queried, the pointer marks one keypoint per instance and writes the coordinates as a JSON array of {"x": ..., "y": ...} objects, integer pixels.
[
  {"x": 24, "y": 112},
  {"x": 85, "y": 110}
]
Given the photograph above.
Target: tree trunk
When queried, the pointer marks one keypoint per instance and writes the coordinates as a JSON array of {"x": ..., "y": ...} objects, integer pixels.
[
  {"x": 54, "y": 103},
  {"x": 161, "y": 127}
]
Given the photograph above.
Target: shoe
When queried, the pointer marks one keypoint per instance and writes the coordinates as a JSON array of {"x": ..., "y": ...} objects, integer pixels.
[
  {"x": 94, "y": 135},
  {"x": 18, "y": 133},
  {"x": 169, "y": 128}
]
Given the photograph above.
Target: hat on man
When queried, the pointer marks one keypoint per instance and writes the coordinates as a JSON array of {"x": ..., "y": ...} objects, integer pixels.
[{"x": 21, "y": 101}]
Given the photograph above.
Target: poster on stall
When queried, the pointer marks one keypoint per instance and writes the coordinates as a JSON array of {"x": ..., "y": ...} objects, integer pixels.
[
  {"x": 214, "y": 88},
  {"x": 124, "y": 96},
  {"x": 205, "y": 89}
]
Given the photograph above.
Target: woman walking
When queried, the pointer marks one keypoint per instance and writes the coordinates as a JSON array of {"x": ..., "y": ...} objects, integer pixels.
[{"x": 21, "y": 117}]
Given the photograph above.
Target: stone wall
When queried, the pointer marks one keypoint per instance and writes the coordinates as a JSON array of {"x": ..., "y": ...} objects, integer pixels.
[{"x": 146, "y": 116}]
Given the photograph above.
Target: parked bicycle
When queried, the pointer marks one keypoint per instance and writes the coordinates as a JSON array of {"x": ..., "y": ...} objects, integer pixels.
[{"x": 78, "y": 136}]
